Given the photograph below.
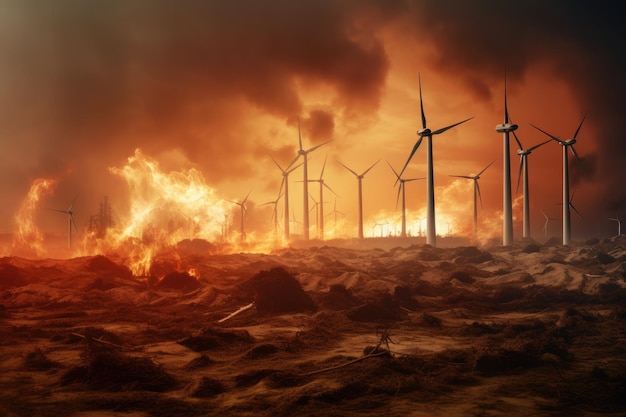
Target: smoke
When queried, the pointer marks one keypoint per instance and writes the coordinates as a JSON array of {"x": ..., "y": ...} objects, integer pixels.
[{"x": 83, "y": 84}]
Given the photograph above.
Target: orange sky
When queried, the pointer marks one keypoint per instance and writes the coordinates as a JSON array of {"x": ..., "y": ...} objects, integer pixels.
[{"x": 219, "y": 87}]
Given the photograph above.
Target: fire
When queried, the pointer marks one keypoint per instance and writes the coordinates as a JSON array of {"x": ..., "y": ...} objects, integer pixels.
[{"x": 28, "y": 236}]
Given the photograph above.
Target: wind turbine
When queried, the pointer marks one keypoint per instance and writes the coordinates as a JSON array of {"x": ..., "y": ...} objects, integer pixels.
[
  {"x": 321, "y": 202},
  {"x": 285, "y": 184},
  {"x": 424, "y": 132},
  {"x": 316, "y": 207},
  {"x": 401, "y": 190},
  {"x": 274, "y": 212},
  {"x": 305, "y": 181},
  {"x": 619, "y": 224},
  {"x": 475, "y": 178},
  {"x": 335, "y": 212},
  {"x": 507, "y": 204},
  {"x": 566, "y": 200},
  {"x": 242, "y": 204},
  {"x": 545, "y": 226},
  {"x": 523, "y": 173},
  {"x": 70, "y": 220},
  {"x": 359, "y": 179}
]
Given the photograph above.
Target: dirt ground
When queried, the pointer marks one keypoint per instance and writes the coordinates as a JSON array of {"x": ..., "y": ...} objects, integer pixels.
[{"x": 532, "y": 330}]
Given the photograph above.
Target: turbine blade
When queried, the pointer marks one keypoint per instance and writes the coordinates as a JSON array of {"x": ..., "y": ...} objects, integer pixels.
[
  {"x": 367, "y": 170},
  {"x": 421, "y": 102},
  {"x": 394, "y": 171},
  {"x": 443, "y": 129},
  {"x": 293, "y": 169},
  {"x": 398, "y": 197},
  {"x": 292, "y": 162},
  {"x": 60, "y": 211},
  {"x": 355, "y": 174},
  {"x": 279, "y": 167},
  {"x": 413, "y": 179},
  {"x": 485, "y": 169},
  {"x": 544, "y": 215},
  {"x": 580, "y": 125},
  {"x": 282, "y": 184},
  {"x": 73, "y": 201},
  {"x": 480, "y": 197},
  {"x": 506, "y": 108},
  {"x": 330, "y": 189},
  {"x": 246, "y": 199},
  {"x": 548, "y": 134},
  {"x": 323, "y": 167},
  {"x": 317, "y": 146},
  {"x": 575, "y": 153},
  {"x": 536, "y": 146},
  {"x": 517, "y": 140},
  {"x": 73, "y": 223},
  {"x": 462, "y": 176},
  {"x": 576, "y": 210},
  {"x": 415, "y": 147},
  {"x": 519, "y": 173},
  {"x": 299, "y": 134}
]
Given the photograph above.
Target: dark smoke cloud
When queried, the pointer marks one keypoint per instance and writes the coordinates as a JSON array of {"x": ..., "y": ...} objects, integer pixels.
[{"x": 83, "y": 83}]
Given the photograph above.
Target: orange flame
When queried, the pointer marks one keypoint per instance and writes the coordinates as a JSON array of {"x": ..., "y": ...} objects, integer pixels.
[{"x": 28, "y": 237}]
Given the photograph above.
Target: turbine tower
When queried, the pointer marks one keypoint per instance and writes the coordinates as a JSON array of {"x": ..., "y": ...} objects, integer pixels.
[
  {"x": 475, "y": 178},
  {"x": 242, "y": 204},
  {"x": 401, "y": 190},
  {"x": 305, "y": 181},
  {"x": 70, "y": 221},
  {"x": 523, "y": 173},
  {"x": 566, "y": 200},
  {"x": 507, "y": 205},
  {"x": 359, "y": 179},
  {"x": 285, "y": 184},
  {"x": 424, "y": 132},
  {"x": 619, "y": 224},
  {"x": 321, "y": 202}
]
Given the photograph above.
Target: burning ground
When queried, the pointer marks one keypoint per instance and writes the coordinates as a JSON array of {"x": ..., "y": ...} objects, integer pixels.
[{"x": 523, "y": 331}]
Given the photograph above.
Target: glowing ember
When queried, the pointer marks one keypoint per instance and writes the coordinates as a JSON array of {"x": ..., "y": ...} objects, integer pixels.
[{"x": 28, "y": 236}]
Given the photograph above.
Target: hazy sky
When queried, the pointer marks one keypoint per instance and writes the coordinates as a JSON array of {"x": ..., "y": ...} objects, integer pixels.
[{"x": 219, "y": 86}]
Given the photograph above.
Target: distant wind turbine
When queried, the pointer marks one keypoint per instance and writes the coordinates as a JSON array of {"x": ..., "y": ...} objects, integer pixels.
[
  {"x": 70, "y": 220},
  {"x": 305, "y": 181},
  {"x": 475, "y": 178},
  {"x": 545, "y": 225},
  {"x": 274, "y": 212},
  {"x": 566, "y": 200},
  {"x": 242, "y": 204},
  {"x": 507, "y": 204},
  {"x": 401, "y": 190},
  {"x": 359, "y": 178},
  {"x": 322, "y": 184},
  {"x": 285, "y": 184},
  {"x": 335, "y": 212},
  {"x": 424, "y": 132},
  {"x": 523, "y": 173},
  {"x": 619, "y": 224}
]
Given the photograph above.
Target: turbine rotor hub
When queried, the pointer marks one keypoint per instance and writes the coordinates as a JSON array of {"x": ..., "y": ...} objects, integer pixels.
[
  {"x": 424, "y": 132},
  {"x": 506, "y": 127}
]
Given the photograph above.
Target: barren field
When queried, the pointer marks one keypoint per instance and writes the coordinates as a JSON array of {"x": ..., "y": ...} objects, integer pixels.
[{"x": 532, "y": 330}]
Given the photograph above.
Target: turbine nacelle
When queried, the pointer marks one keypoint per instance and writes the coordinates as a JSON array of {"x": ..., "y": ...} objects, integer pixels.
[
  {"x": 424, "y": 132},
  {"x": 522, "y": 152},
  {"x": 506, "y": 127}
]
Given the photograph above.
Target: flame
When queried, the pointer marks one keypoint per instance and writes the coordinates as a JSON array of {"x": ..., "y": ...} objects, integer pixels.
[{"x": 28, "y": 237}]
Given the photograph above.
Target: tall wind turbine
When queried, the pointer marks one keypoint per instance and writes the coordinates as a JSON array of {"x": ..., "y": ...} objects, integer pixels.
[
  {"x": 285, "y": 184},
  {"x": 475, "y": 178},
  {"x": 619, "y": 224},
  {"x": 401, "y": 190},
  {"x": 70, "y": 221},
  {"x": 305, "y": 181},
  {"x": 424, "y": 132},
  {"x": 242, "y": 204},
  {"x": 566, "y": 200},
  {"x": 507, "y": 204},
  {"x": 545, "y": 225},
  {"x": 523, "y": 173},
  {"x": 320, "y": 180},
  {"x": 359, "y": 179}
]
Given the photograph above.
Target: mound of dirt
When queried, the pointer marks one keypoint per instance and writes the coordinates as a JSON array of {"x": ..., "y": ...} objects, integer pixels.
[
  {"x": 207, "y": 387},
  {"x": 106, "y": 268},
  {"x": 11, "y": 277},
  {"x": 337, "y": 298},
  {"x": 278, "y": 292},
  {"x": 181, "y": 281},
  {"x": 382, "y": 310},
  {"x": 212, "y": 338}
]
